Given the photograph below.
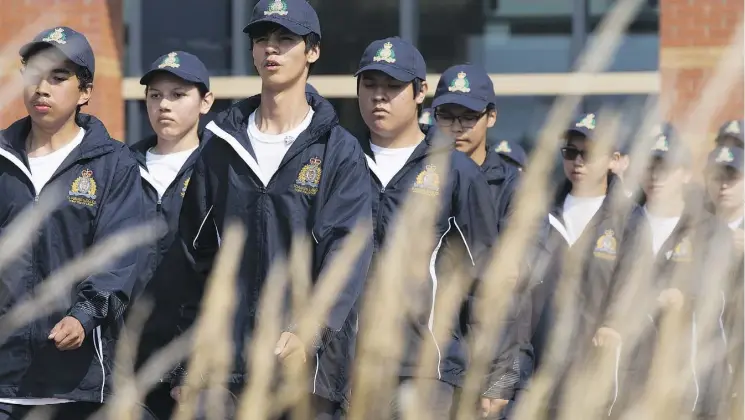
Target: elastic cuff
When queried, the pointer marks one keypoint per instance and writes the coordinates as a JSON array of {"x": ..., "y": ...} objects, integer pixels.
[{"x": 85, "y": 319}]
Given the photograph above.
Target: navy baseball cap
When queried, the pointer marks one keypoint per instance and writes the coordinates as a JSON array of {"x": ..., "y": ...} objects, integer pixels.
[
  {"x": 731, "y": 157},
  {"x": 71, "y": 43},
  {"x": 668, "y": 146},
  {"x": 394, "y": 57},
  {"x": 466, "y": 85},
  {"x": 182, "y": 65},
  {"x": 297, "y": 16},
  {"x": 585, "y": 124},
  {"x": 731, "y": 129},
  {"x": 512, "y": 151}
]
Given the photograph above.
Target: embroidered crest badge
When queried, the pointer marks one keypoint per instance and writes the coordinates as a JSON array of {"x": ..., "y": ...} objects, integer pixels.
[
  {"x": 682, "y": 251},
  {"x": 83, "y": 189},
  {"x": 460, "y": 84},
  {"x": 733, "y": 128},
  {"x": 277, "y": 7},
  {"x": 309, "y": 177},
  {"x": 503, "y": 147},
  {"x": 427, "y": 182},
  {"x": 386, "y": 54},
  {"x": 662, "y": 144},
  {"x": 425, "y": 118},
  {"x": 186, "y": 185},
  {"x": 606, "y": 246},
  {"x": 588, "y": 122},
  {"x": 58, "y": 35},
  {"x": 171, "y": 60},
  {"x": 725, "y": 156}
]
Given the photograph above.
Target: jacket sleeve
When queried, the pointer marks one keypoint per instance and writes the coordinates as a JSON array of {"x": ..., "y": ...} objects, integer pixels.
[
  {"x": 102, "y": 298},
  {"x": 506, "y": 204},
  {"x": 474, "y": 216},
  {"x": 346, "y": 203}
]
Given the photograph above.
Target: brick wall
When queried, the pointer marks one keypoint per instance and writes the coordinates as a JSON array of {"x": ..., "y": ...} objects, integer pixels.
[
  {"x": 99, "y": 20},
  {"x": 694, "y": 35}
]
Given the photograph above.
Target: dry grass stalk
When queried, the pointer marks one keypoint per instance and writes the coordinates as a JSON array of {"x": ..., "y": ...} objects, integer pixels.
[{"x": 212, "y": 357}]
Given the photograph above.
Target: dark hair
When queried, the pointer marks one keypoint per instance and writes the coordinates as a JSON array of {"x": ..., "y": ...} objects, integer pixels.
[
  {"x": 312, "y": 40},
  {"x": 200, "y": 87},
  {"x": 85, "y": 78}
]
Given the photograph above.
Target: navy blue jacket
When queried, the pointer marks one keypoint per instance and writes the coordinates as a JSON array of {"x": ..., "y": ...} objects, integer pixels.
[
  {"x": 686, "y": 261},
  {"x": 466, "y": 219},
  {"x": 596, "y": 266},
  {"x": 502, "y": 178},
  {"x": 320, "y": 189},
  {"x": 157, "y": 279},
  {"x": 101, "y": 186}
]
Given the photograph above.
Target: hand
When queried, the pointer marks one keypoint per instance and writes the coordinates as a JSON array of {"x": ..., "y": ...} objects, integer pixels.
[
  {"x": 176, "y": 393},
  {"x": 68, "y": 334},
  {"x": 738, "y": 238},
  {"x": 671, "y": 299},
  {"x": 606, "y": 336},
  {"x": 289, "y": 347},
  {"x": 491, "y": 407}
]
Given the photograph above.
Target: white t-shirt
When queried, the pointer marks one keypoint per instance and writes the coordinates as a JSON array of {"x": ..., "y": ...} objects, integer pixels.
[
  {"x": 662, "y": 228},
  {"x": 43, "y": 167},
  {"x": 578, "y": 211},
  {"x": 271, "y": 148},
  {"x": 164, "y": 168},
  {"x": 390, "y": 161}
]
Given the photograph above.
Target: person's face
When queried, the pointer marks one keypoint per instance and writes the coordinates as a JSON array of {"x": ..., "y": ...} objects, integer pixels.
[
  {"x": 582, "y": 164},
  {"x": 466, "y": 126},
  {"x": 51, "y": 90},
  {"x": 725, "y": 188},
  {"x": 174, "y": 106},
  {"x": 663, "y": 181},
  {"x": 387, "y": 105},
  {"x": 280, "y": 56}
]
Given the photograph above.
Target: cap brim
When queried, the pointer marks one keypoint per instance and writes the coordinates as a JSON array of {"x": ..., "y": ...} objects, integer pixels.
[
  {"x": 394, "y": 72},
  {"x": 147, "y": 77},
  {"x": 474, "y": 104},
  {"x": 288, "y": 24},
  {"x": 75, "y": 58}
]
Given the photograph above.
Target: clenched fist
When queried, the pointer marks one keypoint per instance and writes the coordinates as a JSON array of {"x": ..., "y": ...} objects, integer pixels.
[{"x": 68, "y": 334}]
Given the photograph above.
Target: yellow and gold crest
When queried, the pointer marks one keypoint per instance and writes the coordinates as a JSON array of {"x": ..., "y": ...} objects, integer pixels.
[
  {"x": 661, "y": 145},
  {"x": 309, "y": 177},
  {"x": 733, "y": 128},
  {"x": 277, "y": 7},
  {"x": 171, "y": 60},
  {"x": 682, "y": 251},
  {"x": 58, "y": 35},
  {"x": 503, "y": 147},
  {"x": 606, "y": 246},
  {"x": 83, "y": 189},
  {"x": 386, "y": 54},
  {"x": 588, "y": 122},
  {"x": 186, "y": 185},
  {"x": 725, "y": 156},
  {"x": 460, "y": 84},
  {"x": 427, "y": 182}
]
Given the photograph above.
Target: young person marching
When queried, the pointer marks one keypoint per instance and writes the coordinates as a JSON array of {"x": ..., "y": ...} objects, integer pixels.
[
  {"x": 589, "y": 240},
  {"x": 684, "y": 241},
  {"x": 391, "y": 88},
  {"x": 177, "y": 94},
  {"x": 724, "y": 184},
  {"x": 64, "y": 359},
  {"x": 465, "y": 108},
  {"x": 281, "y": 164}
]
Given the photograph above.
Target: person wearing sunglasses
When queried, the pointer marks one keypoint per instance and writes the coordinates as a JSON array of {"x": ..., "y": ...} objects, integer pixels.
[{"x": 590, "y": 242}]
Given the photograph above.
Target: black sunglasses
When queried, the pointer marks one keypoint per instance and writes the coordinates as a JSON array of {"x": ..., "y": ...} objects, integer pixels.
[{"x": 570, "y": 153}]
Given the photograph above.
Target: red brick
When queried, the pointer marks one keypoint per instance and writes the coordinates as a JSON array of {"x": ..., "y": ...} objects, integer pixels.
[
  {"x": 101, "y": 22},
  {"x": 698, "y": 23}
]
